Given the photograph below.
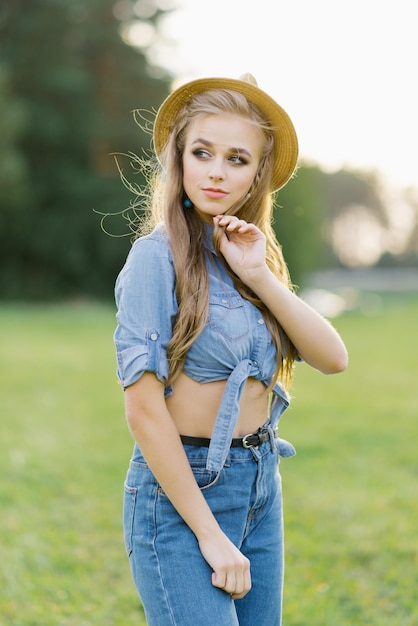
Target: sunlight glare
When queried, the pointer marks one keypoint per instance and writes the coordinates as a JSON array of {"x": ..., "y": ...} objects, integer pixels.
[{"x": 139, "y": 34}]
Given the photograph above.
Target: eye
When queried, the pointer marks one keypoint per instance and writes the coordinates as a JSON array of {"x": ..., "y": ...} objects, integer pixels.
[
  {"x": 200, "y": 153},
  {"x": 236, "y": 159}
]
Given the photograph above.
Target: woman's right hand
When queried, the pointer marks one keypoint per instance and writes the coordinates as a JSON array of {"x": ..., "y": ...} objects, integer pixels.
[
  {"x": 231, "y": 569},
  {"x": 157, "y": 436}
]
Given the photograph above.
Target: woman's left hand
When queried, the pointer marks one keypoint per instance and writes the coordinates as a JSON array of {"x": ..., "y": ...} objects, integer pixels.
[
  {"x": 242, "y": 244},
  {"x": 316, "y": 341}
]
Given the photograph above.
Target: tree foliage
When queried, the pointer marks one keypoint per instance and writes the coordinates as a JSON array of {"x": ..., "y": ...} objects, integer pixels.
[
  {"x": 69, "y": 84},
  {"x": 299, "y": 215}
]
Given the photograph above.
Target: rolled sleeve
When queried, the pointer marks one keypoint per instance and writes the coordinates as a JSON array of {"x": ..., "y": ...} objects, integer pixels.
[{"x": 146, "y": 307}]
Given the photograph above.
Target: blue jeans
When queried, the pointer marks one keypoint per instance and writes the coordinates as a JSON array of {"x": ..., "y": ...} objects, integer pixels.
[{"x": 171, "y": 576}]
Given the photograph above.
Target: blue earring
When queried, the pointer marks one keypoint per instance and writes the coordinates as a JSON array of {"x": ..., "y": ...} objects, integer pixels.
[{"x": 187, "y": 203}]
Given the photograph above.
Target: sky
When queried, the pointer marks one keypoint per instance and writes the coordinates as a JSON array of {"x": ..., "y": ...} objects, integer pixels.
[{"x": 344, "y": 71}]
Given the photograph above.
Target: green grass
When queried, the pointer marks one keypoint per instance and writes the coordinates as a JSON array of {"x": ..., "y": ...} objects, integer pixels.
[
  {"x": 65, "y": 448},
  {"x": 350, "y": 493}
]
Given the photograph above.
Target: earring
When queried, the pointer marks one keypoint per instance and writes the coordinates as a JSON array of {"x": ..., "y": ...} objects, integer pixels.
[{"x": 187, "y": 203}]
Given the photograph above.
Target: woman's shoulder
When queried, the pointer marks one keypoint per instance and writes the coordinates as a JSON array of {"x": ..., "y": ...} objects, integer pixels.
[
  {"x": 149, "y": 261},
  {"x": 154, "y": 244}
]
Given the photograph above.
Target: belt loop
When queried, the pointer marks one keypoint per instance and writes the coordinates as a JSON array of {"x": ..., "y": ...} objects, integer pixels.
[{"x": 271, "y": 437}]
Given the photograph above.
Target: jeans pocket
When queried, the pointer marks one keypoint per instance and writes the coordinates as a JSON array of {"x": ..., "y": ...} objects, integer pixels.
[
  {"x": 205, "y": 478},
  {"x": 129, "y": 502}
]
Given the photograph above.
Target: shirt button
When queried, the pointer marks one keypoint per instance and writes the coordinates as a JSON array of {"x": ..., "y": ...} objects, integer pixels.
[
  {"x": 154, "y": 336},
  {"x": 224, "y": 301},
  {"x": 260, "y": 321}
]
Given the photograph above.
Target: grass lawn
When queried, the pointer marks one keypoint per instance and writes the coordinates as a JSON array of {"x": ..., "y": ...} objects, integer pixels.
[{"x": 350, "y": 493}]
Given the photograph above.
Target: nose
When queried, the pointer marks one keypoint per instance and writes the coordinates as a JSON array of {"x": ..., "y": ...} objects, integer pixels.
[{"x": 216, "y": 171}]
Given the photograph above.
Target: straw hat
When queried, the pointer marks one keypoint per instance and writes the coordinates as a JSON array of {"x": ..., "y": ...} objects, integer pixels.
[{"x": 285, "y": 139}]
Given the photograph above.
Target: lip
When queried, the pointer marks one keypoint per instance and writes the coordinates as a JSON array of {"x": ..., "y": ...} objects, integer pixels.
[{"x": 215, "y": 193}]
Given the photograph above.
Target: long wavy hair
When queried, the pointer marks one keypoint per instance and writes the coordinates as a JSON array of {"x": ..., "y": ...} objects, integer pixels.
[{"x": 187, "y": 232}]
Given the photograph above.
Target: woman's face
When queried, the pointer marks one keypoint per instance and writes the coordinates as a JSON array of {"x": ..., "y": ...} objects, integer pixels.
[{"x": 220, "y": 160}]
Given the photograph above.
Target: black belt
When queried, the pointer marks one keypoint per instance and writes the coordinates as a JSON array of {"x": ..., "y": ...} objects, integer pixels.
[{"x": 248, "y": 441}]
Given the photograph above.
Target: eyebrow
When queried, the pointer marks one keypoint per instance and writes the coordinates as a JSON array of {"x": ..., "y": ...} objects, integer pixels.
[{"x": 205, "y": 142}]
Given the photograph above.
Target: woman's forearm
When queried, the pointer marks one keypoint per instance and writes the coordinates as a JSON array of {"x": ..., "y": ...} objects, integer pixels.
[
  {"x": 160, "y": 444},
  {"x": 315, "y": 339},
  {"x": 155, "y": 432},
  {"x": 317, "y": 342}
]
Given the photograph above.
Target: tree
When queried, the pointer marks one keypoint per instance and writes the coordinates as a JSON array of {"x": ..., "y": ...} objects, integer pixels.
[
  {"x": 299, "y": 216},
  {"x": 71, "y": 84}
]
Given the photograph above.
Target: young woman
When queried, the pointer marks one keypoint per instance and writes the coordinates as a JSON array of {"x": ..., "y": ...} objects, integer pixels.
[{"x": 208, "y": 333}]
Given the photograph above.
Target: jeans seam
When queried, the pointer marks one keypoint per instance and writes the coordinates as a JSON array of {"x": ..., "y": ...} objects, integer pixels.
[{"x": 154, "y": 547}]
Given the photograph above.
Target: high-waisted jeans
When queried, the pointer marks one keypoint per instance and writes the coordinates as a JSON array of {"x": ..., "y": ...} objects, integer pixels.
[{"x": 171, "y": 576}]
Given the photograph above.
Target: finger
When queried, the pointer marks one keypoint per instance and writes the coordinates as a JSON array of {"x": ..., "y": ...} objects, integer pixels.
[
  {"x": 235, "y": 584},
  {"x": 226, "y": 217},
  {"x": 218, "y": 580},
  {"x": 237, "y": 225},
  {"x": 228, "y": 220},
  {"x": 226, "y": 582},
  {"x": 242, "y": 585},
  {"x": 240, "y": 226},
  {"x": 230, "y": 583}
]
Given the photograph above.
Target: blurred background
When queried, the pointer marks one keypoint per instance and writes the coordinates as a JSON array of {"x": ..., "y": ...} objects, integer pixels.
[{"x": 72, "y": 72}]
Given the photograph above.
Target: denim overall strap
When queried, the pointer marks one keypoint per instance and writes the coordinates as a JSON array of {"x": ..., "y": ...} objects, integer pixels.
[
  {"x": 279, "y": 404},
  {"x": 227, "y": 416}
]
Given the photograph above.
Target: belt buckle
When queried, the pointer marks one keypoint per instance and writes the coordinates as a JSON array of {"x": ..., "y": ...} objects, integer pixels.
[{"x": 245, "y": 443}]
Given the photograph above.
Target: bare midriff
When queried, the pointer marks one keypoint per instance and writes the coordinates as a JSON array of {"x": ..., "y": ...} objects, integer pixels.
[{"x": 194, "y": 406}]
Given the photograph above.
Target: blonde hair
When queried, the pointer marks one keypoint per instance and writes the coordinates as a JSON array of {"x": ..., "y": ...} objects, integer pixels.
[{"x": 187, "y": 232}]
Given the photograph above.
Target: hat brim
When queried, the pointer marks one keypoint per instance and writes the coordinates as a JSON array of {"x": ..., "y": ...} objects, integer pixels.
[{"x": 285, "y": 138}]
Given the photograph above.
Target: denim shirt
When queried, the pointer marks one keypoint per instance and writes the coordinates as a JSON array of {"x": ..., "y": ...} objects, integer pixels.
[{"x": 234, "y": 344}]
